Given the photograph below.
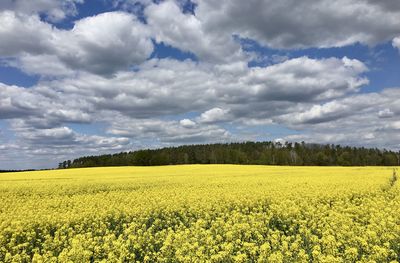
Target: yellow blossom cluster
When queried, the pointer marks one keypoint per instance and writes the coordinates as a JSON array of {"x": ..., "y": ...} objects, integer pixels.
[{"x": 201, "y": 213}]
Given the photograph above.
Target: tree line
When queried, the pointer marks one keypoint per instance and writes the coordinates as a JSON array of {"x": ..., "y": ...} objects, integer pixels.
[{"x": 266, "y": 153}]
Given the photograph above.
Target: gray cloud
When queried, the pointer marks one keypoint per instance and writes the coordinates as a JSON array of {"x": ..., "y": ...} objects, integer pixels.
[
  {"x": 54, "y": 10},
  {"x": 369, "y": 119},
  {"x": 381, "y": 107},
  {"x": 167, "y": 132},
  {"x": 169, "y": 87},
  {"x": 44, "y": 148},
  {"x": 17, "y": 102},
  {"x": 41, "y": 107},
  {"x": 301, "y": 24}
]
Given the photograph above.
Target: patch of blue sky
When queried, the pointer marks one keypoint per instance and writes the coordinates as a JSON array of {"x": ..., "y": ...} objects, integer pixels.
[
  {"x": 87, "y": 9},
  {"x": 161, "y": 50},
  {"x": 95, "y": 128},
  {"x": 189, "y": 7},
  {"x": 92, "y": 8},
  {"x": 14, "y": 76},
  {"x": 5, "y": 133}
]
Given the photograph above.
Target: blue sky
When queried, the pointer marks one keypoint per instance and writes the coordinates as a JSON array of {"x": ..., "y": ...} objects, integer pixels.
[{"x": 90, "y": 77}]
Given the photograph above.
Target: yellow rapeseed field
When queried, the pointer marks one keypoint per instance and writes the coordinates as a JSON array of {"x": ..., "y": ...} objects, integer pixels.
[{"x": 201, "y": 213}]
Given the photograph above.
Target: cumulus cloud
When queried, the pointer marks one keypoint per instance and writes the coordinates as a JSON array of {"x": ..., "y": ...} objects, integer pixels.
[
  {"x": 186, "y": 123},
  {"x": 214, "y": 115},
  {"x": 35, "y": 34},
  {"x": 125, "y": 41},
  {"x": 186, "y": 32},
  {"x": 168, "y": 87},
  {"x": 303, "y": 79},
  {"x": 293, "y": 24},
  {"x": 119, "y": 37}
]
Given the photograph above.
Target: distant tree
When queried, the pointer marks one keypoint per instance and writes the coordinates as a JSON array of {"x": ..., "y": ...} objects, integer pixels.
[{"x": 272, "y": 153}]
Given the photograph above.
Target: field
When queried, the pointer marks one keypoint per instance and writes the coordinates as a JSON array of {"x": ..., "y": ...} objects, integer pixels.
[{"x": 199, "y": 213}]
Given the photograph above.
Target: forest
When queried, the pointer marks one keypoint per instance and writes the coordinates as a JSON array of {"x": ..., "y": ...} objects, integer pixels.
[{"x": 263, "y": 153}]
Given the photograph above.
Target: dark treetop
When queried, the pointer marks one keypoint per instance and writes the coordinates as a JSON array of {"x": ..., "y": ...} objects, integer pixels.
[{"x": 267, "y": 153}]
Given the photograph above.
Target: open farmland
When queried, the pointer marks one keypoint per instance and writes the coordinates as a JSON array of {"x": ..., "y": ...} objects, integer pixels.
[{"x": 195, "y": 213}]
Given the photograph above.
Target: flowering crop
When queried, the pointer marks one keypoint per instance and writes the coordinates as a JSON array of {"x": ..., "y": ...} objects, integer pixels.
[{"x": 201, "y": 213}]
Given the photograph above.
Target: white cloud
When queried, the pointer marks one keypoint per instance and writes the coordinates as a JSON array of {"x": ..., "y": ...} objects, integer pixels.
[
  {"x": 40, "y": 115},
  {"x": 186, "y": 123},
  {"x": 318, "y": 113},
  {"x": 186, "y": 32},
  {"x": 396, "y": 43},
  {"x": 302, "y": 79},
  {"x": 17, "y": 102},
  {"x": 364, "y": 119},
  {"x": 124, "y": 41},
  {"x": 168, "y": 87},
  {"x": 43, "y": 65},
  {"x": 119, "y": 37},
  {"x": 137, "y": 103},
  {"x": 214, "y": 115},
  {"x": 53, "y": 136},
  {"x": 385, "y": 113},
  {"x": 23, "y": 34}
]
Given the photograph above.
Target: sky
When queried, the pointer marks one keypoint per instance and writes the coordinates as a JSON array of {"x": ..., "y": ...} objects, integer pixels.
[{"x": 88, "y": 77}]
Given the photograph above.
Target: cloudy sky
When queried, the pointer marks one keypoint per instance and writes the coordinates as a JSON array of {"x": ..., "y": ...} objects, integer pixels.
[{"x": 85, "y": 77}]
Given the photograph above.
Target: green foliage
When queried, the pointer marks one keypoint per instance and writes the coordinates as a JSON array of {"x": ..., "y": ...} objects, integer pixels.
[{"x": 268, "y": 153}]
